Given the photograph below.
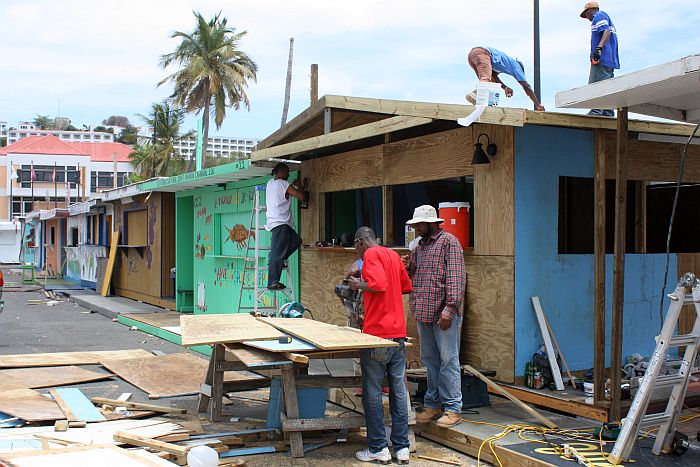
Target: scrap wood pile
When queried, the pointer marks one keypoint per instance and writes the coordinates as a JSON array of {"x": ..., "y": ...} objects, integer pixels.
[{"x": 42, "y": 423}]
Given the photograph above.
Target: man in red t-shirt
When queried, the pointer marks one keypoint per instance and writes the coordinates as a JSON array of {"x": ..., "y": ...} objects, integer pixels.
[{"x": 384, "y": 279}]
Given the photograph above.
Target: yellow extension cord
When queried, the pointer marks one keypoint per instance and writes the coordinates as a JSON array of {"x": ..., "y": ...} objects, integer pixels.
[{"x": 523, "y": 428}]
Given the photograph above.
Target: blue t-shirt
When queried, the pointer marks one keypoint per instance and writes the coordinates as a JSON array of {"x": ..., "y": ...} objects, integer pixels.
[
  {"x": 503, "y": 63},
  {"x": 601, "y": 23}
]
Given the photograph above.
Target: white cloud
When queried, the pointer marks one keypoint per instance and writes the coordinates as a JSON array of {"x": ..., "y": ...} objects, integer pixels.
[{"x": 101, "y": 58}]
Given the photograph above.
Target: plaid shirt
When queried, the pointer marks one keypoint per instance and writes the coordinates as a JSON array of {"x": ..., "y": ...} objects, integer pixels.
[{"x": 438, "y": 277}]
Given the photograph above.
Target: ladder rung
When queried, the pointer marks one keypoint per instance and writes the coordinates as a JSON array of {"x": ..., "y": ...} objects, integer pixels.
[
  {"x": 683, "y": 339},
  {"x": 654, "y": 420},
  {"x": 668, "y": 380}
]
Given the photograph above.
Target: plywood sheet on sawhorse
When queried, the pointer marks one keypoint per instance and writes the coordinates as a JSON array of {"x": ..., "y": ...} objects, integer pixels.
[
  {"x": 327, "y": 336},
  {"x": 179, "y": 374},
  {"x": 67, "y": 358},
  {"x": 224, "y": 328},
  {"x": 51, "y": 376}
]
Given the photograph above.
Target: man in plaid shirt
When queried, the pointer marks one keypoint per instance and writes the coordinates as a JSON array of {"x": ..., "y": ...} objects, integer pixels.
[{"x": 436, "y": 269}]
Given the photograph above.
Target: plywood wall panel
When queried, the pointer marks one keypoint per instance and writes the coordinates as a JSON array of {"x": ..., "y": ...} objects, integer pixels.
[
  {"x": 488, "y": 332},
  {"x": 433, "y": 157},
  {"x": 350, "y": 170},
  {"x": 494, "y": 202}
]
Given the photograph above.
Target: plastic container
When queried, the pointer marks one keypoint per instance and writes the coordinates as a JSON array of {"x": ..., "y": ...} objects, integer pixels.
[
  {"x": 456, "y": 217},
  {"x": 488, "y": 93}
]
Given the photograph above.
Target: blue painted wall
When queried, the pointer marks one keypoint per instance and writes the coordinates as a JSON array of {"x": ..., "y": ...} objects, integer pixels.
[{"x": 564, "y": 283}]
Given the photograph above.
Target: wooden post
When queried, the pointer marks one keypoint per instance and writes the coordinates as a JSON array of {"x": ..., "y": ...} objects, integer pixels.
[
  {"x": 388, "y": 214},
  {"x": 314, "y": 82},
  {"x": 291, "y": 407},
  {"x": 619, "y": 263},
  {"x": 217, "y": 383},
  {"x": 599, "y": 268}
]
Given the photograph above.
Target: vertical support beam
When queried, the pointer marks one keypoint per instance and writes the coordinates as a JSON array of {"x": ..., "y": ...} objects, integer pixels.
[
  {"x": 217, "y": 385},
  {"x": 327, "y": 121},
  {"x": 599, "y": 268},
  {"x": 619, "y": 262},
  {"x": 388, "y": 215},
  {"x": 640, "y": 217},
  {"x": 313, "y": 94},
  {"x": 291, "y": 407}
]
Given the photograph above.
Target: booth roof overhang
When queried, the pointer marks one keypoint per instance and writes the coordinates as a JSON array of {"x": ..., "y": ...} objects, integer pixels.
[{"x": 670, "y": 90}]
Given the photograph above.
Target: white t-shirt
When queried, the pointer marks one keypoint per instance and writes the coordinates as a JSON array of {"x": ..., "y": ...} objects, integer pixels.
[{"x": 278, "y": 204}]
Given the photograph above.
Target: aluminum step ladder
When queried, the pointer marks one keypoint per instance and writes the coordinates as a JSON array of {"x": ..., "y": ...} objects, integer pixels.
[
  {"x": 252, "y": 266},
  {"x": 667, "y": 420}
]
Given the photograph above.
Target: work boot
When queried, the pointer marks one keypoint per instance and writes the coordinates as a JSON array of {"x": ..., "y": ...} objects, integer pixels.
[
  {"x": 383, "y": 456},
  {"x": 427, "y": 415},
  {"x": 449, "y": 419},
  {"x": 402, "y": 456}
]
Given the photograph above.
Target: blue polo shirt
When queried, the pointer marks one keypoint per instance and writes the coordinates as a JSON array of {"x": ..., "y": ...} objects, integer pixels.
[
  {"x": 502, "y": 63},
  {"x": 601, "y": 23}
]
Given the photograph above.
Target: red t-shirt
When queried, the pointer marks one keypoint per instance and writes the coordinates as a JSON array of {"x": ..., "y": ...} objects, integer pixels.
[{"x": 385, "y": 273}]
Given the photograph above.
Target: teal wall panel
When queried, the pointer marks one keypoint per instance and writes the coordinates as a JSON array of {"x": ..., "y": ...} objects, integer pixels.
[{"x": 222, "y": 227}]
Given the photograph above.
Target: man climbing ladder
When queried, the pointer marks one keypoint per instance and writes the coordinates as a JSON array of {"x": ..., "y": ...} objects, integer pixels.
[{"x": 280, "y": 223}]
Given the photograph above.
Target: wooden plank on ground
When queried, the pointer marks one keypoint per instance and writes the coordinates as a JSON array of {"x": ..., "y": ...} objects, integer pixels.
[
  {"x": 136, "y": 440},
  {"x": 76, "y": 406},
  {"x": 103, "y": 433},
  {"x": 178, "y": 374},
  {"x": 67, "y": 358},
  {"x": 104, "y": 456},
  {"x": 327, "y": 336},
  {"x": 137, "y": 405},
  {"x": 27, "y": 404},
  {"x": 505, "y": 393},
  {"x": 551, "y": 355},
  {"x": 225, "y": 328},
  {"x": 109, "y": 269},
  {"x": 50, "y": 377}
]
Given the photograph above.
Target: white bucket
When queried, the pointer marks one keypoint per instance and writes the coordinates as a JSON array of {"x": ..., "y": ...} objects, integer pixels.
[{"x": 488, "y": 93}]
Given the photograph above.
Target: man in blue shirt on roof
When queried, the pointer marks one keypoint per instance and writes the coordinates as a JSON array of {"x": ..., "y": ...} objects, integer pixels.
[
  {"x": 488, "y": 63},
  {"x": 604, "y": 57}
]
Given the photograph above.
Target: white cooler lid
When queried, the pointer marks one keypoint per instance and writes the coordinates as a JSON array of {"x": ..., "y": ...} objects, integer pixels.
[{"x": 453, "y": 205}]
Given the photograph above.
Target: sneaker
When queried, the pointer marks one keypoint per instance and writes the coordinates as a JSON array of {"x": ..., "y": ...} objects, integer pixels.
[
  {"x": 382, "y": 456},
  {"x": 449, "y": 419},
  {"x": 385, "y": 390},
  {"x": 427, "y": 415},
  {"x": 357, "y": 392},
  {"x": 276, "y": 286},
  {"x": 402, "y": 456},
  {"x": 471, "y": 97}
]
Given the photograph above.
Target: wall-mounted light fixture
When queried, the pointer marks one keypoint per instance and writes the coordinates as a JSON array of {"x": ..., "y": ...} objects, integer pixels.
[{"x": 480, "y": 156}]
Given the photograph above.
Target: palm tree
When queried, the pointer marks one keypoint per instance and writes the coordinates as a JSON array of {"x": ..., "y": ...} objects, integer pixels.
[
  {"x": 165, "y": 121},
  {"x": 213, "y": 71}
]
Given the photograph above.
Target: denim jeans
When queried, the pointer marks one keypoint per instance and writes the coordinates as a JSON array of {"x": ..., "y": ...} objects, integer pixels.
[
  {"x": 439, "y": 351},
  {"x": 285, "y": 241},
  {"x": 376, "y": 363},
  {"x": 599, "y": 73}
]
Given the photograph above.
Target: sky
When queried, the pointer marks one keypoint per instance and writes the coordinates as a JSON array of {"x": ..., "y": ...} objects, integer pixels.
[{"x": 88, "y": 60}]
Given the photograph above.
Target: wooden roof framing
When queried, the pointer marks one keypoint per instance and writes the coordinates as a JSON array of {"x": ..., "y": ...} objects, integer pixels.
[{"x": 334, "y": 122}]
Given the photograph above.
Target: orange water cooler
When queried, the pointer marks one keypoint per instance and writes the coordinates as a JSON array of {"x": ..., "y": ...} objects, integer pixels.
[{"x": 456, "y": 216}]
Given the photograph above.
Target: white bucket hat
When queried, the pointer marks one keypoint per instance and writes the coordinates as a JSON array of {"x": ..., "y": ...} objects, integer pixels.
[{"x": 425, "y": 213}]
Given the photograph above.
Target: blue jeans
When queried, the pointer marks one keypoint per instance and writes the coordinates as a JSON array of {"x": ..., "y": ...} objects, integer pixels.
[
  {"x": 439, "y": 351},
  {"x": 599, "y": 73},
  {"x": 285, "y": 241},
  {"x": 376, "y": 363}
]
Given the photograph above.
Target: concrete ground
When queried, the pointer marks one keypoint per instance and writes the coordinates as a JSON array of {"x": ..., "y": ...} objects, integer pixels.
[{"x": 68, "y": 327}]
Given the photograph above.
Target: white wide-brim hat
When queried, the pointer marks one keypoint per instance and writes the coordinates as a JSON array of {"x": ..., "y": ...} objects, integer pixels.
[{"x": 425, "y": 213}]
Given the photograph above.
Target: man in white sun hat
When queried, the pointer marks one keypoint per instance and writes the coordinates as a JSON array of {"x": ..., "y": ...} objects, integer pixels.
[{"x": 436, "y": 269}]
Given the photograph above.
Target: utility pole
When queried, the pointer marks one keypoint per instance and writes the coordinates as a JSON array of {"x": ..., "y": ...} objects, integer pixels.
[
  {"x": 536, "y": 43},
  {"x": 288, "y": 85},
  {"x": 314, "y": 83}
]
